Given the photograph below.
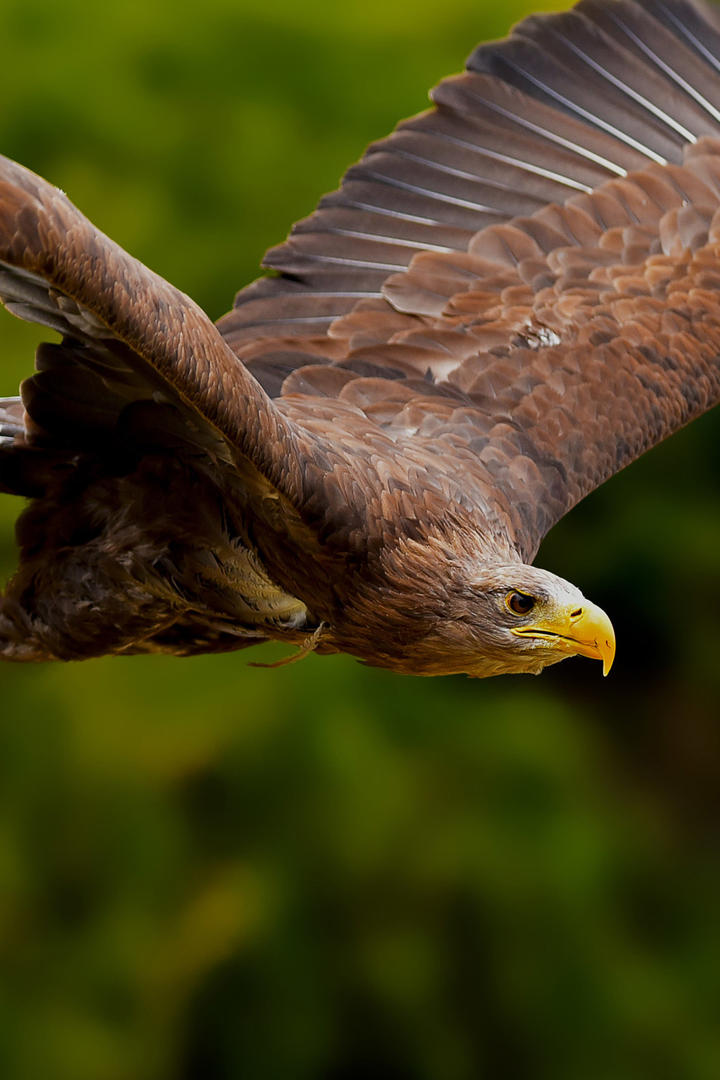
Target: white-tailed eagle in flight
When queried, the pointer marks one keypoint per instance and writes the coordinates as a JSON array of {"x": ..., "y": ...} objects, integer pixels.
[{"x": 508, "y": 299}]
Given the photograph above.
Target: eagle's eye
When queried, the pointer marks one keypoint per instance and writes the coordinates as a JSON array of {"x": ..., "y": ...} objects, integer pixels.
[{"x": 520, "y": 603}]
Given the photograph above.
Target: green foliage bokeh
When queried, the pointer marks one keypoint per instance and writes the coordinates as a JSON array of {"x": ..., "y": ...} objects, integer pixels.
[{"x": 327, "y": 871}]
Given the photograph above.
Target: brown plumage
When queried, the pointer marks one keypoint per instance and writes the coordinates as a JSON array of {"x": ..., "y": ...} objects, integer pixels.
[{"x": 507, "y": 300}]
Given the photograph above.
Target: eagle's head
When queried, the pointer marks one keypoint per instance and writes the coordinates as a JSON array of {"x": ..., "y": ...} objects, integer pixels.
[
  {"x": 480, "y": 617},
  {"x": 525, "y": 618}
]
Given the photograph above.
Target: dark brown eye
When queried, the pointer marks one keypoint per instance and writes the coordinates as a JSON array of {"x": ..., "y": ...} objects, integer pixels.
[{"x": 519, "y": 603}]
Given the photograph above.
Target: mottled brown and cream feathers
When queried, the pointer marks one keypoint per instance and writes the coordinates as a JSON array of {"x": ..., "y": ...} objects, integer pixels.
[{"x": 507, "y": 300}]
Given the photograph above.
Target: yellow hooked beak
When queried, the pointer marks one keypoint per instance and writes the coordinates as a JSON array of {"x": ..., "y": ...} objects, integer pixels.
[{"x": 584, "y": 629}]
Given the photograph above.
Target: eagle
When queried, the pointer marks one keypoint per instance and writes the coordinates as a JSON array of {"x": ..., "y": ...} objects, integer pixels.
[{"x": 507, "y": 300}]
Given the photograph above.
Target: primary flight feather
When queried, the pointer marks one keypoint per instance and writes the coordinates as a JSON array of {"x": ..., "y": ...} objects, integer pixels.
[{"x": 507, "y": 300}]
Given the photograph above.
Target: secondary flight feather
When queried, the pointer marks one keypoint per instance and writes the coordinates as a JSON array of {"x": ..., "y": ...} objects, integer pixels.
[{"x": 508, "y": 300}]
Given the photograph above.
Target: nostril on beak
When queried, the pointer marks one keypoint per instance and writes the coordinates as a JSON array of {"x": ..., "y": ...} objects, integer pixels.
[{"x": 576, "y": 613}]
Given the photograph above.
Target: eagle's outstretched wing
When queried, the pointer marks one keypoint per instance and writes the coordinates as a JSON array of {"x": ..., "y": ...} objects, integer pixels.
[
  {"x": 507, "y": 300},
  {"x": 526, "y": 273}
]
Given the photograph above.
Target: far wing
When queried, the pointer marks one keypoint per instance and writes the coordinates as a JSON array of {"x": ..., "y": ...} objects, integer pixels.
[{"x": 521, "y": 283}]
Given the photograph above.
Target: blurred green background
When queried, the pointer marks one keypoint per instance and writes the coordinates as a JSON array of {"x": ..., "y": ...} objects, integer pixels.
[{"x": 325, "y": 871}]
